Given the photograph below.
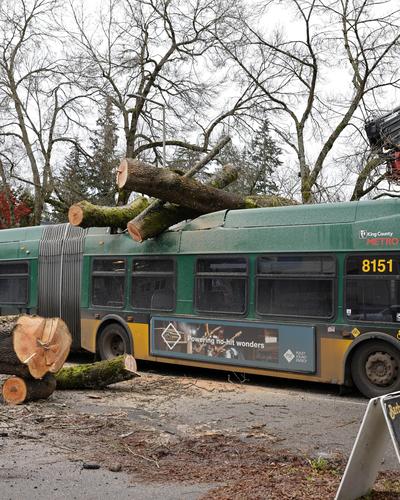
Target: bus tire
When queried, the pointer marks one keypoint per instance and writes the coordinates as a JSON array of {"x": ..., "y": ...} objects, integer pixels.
[
  {"x": 375, "y": 368},
  {"x": 113, "y": 341}
]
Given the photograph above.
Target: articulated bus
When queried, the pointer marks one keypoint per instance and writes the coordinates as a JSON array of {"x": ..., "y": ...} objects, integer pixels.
[{"x": 304, "y": 292}]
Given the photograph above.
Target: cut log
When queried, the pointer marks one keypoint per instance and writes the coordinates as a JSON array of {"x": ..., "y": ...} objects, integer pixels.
[
  {"x": 7, "y": 354},
  {"x": 19, "y": 370},
  {"x": 156, "y": 205},
  {"x": 85, "y": 214},
  {"x": 168, "y": 186},
  {"x": 17, "y": 390},
  {"x": 122, "y": 169},
  {"x": 40, "y": 344},
  {"x": 157, "y": 220},
  {"x": 158, "y": 217},
  {"x": 97, "y": 375}
]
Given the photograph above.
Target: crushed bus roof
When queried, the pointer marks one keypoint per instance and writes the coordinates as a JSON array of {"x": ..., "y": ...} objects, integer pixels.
[{"x": 324, "y": 213}]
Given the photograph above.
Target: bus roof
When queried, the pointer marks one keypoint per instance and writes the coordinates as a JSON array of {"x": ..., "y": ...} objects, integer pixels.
[
  {"x": 324, "y": 213},
  {"x": 350, "y": 226}
]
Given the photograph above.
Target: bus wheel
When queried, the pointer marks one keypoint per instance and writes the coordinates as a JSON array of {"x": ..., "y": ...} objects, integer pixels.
[
  {"x": 375, "y": 368},
  {"x": 113, "y": 341}
]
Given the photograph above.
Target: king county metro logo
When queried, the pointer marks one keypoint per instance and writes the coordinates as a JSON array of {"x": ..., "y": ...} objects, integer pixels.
[{"x": 364, "y": 234}]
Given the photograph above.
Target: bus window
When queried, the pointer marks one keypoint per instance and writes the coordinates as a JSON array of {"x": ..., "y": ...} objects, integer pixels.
[
  {"x": 14, "y": 282},
  {"x": 221, "y": 285},
  {"x": 295, "y": 285},
  {"x": 373, "y": 288},
  {"x": 108, "y": 282},
  {"x": 153, "y": 284}
]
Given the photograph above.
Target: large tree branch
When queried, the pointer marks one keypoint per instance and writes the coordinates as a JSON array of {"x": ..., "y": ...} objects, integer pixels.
[
  {"x": 335, "y": 134},
  {"x": 359, "y": 190}
]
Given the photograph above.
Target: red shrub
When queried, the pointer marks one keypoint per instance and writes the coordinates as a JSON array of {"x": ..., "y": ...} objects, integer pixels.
[{"x": 12, "y": 210}]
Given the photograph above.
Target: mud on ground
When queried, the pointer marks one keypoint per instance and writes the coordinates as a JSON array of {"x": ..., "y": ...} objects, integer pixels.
[{"x": 165, "y": 428}]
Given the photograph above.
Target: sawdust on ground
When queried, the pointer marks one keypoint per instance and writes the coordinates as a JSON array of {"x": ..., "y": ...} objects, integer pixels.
[{"x": 127, "y": 428}]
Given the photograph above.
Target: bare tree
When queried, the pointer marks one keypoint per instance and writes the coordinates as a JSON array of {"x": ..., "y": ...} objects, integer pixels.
[
  {"x": 358, "y": 40},
  {"x": 37, "y": 95},
  {"x": 154, "y": 56}
]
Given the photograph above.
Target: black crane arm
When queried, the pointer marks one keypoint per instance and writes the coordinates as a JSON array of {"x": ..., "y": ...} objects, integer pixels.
[{"x": 384, "y": 132}]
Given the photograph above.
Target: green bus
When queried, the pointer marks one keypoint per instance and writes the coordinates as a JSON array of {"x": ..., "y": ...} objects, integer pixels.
[{"x": 303, "y": 292}]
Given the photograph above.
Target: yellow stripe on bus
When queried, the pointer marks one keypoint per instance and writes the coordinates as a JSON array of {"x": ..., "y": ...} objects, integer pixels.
[
  {"x": 331, "y": 359},
  {"x": 88, "y": 333},
  {"x": 140, "y": 334}
]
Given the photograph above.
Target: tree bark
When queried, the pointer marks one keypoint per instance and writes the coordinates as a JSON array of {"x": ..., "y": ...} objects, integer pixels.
[
  {"x": 157, "y": 220},
  {"x": 24, "y": 388},
  {"x": 7, "y": 353},
  {"x": 19, "y": 370},
  {"x": 17, "y": 390},
  {"x": 34, "y": 344},
  {"x": 170, "y": 187},
  {"x": 84, "y": 214},
  {"x": 97, "y": 375},
  {"x": 158, "y": 217}
]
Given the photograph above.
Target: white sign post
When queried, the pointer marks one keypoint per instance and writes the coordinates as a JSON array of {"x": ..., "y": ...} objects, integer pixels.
[{"x": 380, "y": 425}]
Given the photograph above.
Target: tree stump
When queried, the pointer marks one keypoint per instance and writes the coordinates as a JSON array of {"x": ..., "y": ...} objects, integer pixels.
[{"x": 31, "y": 345}]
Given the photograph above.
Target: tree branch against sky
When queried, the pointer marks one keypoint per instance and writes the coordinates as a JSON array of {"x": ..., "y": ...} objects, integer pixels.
[
  {"x": 158, "y": 50},
  {"x": 39, "y": 99},
  {"x": 216, "y": 67},
  {"x": 356, "y": 41}
]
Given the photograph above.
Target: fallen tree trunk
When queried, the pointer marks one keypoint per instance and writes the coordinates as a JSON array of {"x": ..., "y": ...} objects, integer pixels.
[
  {"x": 166, "y": 185},
  {"x": 17, "y": 390},
  {"x": 85, "y": 214},
  {"x": 158, "y": 217},
  {"x": 97, "y": 375},
  {"x": 10, "y": 364},
  {"x": 22, "y": 389},
  {"x": 33, "y": 344},
  {"x": 184, "y": 191},
  {"x": 269, "y": 200},
  {"x": 19, "y": 370},
  {"x": 157, "y": 220},
  {"x": 121, "y": 171}
]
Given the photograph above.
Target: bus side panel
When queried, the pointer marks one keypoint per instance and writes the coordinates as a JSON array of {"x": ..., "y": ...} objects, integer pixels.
[
  {"x": 332, "y": 354},
  {"x": 273, "y": 346},
  {"x": 89, "y": 327},
  {"x": 140, "y": 335}
]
